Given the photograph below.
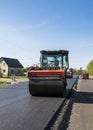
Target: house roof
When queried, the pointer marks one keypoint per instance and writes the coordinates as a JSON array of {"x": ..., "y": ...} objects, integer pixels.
[{"x": 12, "y": 62}]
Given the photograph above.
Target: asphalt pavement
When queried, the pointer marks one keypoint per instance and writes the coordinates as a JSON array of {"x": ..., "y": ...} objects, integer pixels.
[{"x": 20, "y": 111}]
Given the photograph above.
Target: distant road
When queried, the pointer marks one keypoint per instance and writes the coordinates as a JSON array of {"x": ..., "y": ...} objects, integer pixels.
[{"x": 20, "y": 111}]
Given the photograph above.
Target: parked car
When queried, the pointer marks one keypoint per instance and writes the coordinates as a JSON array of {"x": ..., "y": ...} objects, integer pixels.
[{"x": 85, "y": 76}]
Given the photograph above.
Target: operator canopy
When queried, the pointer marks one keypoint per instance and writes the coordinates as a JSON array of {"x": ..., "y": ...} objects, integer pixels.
[{"x": 54, "y": 58}]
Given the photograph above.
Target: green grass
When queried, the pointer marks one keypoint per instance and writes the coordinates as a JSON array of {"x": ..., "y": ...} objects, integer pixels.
[
  {"x": 4, "y": 83},
  {"x": 18, "y": 77}
]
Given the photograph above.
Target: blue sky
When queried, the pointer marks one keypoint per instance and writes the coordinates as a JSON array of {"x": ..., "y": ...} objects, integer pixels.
[{"x": 28, "y": 26}]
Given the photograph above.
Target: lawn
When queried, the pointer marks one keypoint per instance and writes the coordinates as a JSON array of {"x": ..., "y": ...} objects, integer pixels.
[{"x": 4, "y": 83}]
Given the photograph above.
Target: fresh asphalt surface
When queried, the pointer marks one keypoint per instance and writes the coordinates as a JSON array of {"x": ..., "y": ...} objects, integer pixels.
[{"x": 20, "y": 111}]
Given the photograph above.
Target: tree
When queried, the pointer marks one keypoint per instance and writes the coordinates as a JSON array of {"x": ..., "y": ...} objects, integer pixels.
[
  {"x": 24, "y": 70},
  {"x": 90, "y": 67}
]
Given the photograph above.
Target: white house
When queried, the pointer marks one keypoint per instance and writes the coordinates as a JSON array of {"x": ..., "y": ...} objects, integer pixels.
[{"x": 9, "y": 66}]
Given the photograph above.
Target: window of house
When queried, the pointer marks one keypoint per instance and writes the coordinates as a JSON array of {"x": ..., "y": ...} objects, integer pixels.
[
  {"x": 19, "y": 71},
  {"x": 4, "y": 71},
  {"x": 12, "y": 71},
  {"x": 3, "y": 64}
]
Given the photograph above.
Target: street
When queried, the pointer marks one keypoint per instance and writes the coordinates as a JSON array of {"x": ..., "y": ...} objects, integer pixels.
[{"x": 20, "y": 111}]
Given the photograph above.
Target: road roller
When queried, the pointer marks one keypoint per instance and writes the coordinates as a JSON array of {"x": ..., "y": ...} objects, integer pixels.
[{"x": 49, "y": 78}]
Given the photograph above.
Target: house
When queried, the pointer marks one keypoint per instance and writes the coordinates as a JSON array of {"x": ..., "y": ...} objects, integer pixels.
[{"x": 10, "y": 66}]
